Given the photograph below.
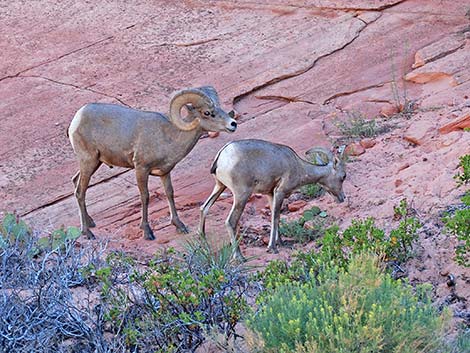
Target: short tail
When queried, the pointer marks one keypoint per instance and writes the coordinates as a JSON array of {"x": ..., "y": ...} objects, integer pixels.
[{"x": 214, "y": 163}]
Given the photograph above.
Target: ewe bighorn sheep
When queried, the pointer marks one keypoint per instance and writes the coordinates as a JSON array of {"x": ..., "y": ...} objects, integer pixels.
[
  {"x": 257, "y": 166},
  {"x": 148, "y": 142}
]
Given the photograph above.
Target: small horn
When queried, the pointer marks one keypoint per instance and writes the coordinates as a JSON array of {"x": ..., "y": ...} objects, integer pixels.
[
  {"x": 319, "y": 156},
  {"x": 186, "y": 96},
  {"x": 341, "y": 154}
]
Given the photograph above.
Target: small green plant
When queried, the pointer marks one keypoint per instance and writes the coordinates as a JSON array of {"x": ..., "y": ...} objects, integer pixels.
[
  {"x": 458, "y": 224},
  {"x": 357, "y": 126},
  {"x": 12, "y": 230},
  {"x": 463, "y": 177},
  {"x": 59, "y": 238},
  {"x": 300, "y": 230},
  {"x": 401, "y": 238},
  {"x": 354, "y": 309},
  {"x": 312, "y": 191}
]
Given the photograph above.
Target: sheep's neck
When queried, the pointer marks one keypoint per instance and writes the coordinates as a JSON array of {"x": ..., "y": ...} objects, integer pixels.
[
  {"x": 185, "y": 141},
  {"x": 313, "y": 173}
]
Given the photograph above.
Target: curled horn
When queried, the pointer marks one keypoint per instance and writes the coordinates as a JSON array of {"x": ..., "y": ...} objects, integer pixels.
[
  {"x": 191, "y": 96},
  {"x": 211, "y": 93},
  {"x": 319, "y": 156}
]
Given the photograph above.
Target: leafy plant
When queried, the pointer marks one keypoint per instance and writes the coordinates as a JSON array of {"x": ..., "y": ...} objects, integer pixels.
[
  {"x": 357, "y": 126},
  {"x": 300, "y": 230},
  {"x": 312, "y": 191},
  {"x": 355, "y": 309},
  {"x": 463, "y": 177},
  {"x": 339, "y": 247},
  {"x": 12, "y": 230},
  {"x": 458, "y": 224},
  {"x": 364, "y": 235}
]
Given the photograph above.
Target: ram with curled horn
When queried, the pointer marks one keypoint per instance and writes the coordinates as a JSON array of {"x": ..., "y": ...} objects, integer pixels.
[
  {"x": 257, "y": 166},
  {"x": 149, "y": 142}
]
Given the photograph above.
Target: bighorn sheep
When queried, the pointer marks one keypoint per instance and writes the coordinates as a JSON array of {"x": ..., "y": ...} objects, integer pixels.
[
  {"x": 257, "y": 166},
  {"x": 149, "y": 142}
]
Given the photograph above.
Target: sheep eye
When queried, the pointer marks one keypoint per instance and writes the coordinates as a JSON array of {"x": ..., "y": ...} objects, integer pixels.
[{"x": 207, "y": 113}]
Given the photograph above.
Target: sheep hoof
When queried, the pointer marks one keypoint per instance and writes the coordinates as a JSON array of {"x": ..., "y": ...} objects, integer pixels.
[
  {"x": 237, "y": 256},
  {"x": 148, "y": 234},
  {"x": 90, "y": 222},
  {"x": 181, "y": 228},
  {"x": 272, "y": 250},
  {"x": 88, "y": 234}
]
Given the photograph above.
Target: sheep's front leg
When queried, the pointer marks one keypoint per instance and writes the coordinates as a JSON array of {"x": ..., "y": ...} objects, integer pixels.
[
  {"x": 142, "y": 176},
  {"x": 274, "y": 239},
  {"x": 175, "y": 220}
]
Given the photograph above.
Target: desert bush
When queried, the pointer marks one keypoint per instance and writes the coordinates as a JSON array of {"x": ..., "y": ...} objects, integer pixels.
[
  {"x": 60, "y": 296},
  {"x": 38, "y": 310},
  {"x": 173, "y": 303},
  {"x": 458, "y": 224},
  {"x": 354, "y": 309}
]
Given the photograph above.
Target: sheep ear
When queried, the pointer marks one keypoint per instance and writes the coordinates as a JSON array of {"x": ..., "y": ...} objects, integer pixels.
[
  {"x": 190, "y": 107},
  {"x": 231, "y": 114}
]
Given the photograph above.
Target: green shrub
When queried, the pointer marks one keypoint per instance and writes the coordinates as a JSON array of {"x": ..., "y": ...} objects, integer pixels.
[
  {"x": 458, "y": 224},
  {"x": 302, "y": 232},
  {"x": 338, "y": 247},
  {"x": 357, "y": 309},
  {"x": 364, "y": 235}
]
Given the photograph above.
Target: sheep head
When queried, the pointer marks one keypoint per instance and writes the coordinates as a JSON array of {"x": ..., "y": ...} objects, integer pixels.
[
  {"x": 204, "y": 109},
  {"x": 333, "y": 182}
]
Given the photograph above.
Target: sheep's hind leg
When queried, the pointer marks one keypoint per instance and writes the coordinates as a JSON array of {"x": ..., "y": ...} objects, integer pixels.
[
  {"x": 274, "y": 238},
  {"x": 175, "y": 220},
  {"x": 142, "y": 176},
  {"x": 89, "y": 221},
  {"x": 231, "y": 223},
  {"x": 218, "y": 189},
  {"x": 81, "y": 181}
]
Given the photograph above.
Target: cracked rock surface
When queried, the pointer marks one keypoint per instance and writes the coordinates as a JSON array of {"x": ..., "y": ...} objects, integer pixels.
[{"x": 292, "y": 70}]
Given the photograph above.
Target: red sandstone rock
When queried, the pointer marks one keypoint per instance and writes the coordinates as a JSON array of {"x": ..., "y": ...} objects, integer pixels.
[
  {"x": 439, "y": 49},
  {"x": 367, "y": 143},
  {"x": 458, "y": 124},
  {"x": 355, "y": 149},
  {"x": 452, "y": 68},
  {"x": 417, "y": 132},
  {"x": 390, "y": 110},
  {"x": 404, "y": 166},
  {"x": 296, "y": 205}
]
